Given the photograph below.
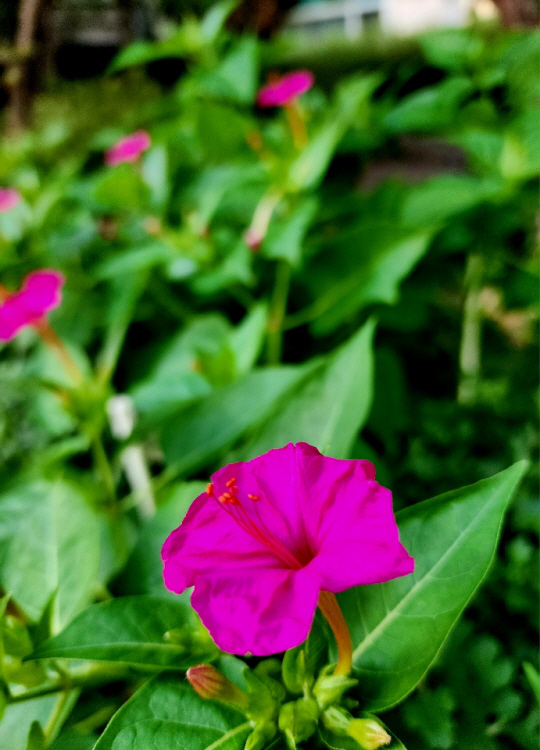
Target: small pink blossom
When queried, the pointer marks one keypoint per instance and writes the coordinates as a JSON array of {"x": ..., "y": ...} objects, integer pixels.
[
  {"x": 272, "y": 533},
  {"x": 9, "y": 198},
  {"x": 286, "y": 90},
  {"x": 128, "y": 149},
  {"x": 40, "y": 293}
]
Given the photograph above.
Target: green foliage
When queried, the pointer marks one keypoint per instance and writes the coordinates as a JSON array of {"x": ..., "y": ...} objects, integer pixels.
[
  {"x": 165, "y": 711},
  {"x": 139, "y": 630},
  {"x": 341, "y": 324},
  {"x": 453, "y": 539}
]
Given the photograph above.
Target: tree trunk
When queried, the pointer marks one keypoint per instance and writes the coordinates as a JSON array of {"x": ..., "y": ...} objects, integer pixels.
[
  {"x": 515, "y": 13},
  {"x": 18, "y": 113}
]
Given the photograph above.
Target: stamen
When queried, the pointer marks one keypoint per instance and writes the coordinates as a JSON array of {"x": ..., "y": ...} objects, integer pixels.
[
  {"x": 260, "y": 533},
  {"x": 210, "y": 489}
]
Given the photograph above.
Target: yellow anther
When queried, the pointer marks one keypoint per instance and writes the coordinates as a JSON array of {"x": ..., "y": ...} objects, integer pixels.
[
  {"x": 231, "y": 482},
  {"x": 223, "y": 499},
  {"x": 255, "y": 498},
  {"x": 210, "y": 489}
]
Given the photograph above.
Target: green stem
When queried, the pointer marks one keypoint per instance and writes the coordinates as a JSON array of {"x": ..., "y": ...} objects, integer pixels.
[
  {"x": 297, "y": 124},
  {"x": 104, "y": 468},
  {"x": 86, "y": 678},
  {"x": 278, "y": 307},
  {"x": 57, "y": 346},
  {"x": 471, "y": 332},
  {"x": 62, "y": 709}
]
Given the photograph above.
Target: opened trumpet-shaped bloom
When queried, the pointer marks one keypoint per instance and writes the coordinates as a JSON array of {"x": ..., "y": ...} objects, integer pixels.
[
  {"x": 40, "y": 293},
  {"x": 128, "y": 149},
  {"x": 270, "y": 534},
  {"x": 284, "y": 91},
  {"x": 9, "y": 198}
]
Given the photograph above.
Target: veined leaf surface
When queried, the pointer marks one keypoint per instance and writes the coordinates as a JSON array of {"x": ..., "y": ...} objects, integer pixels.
[
  {"x": 399, "y": 626},
  {"x": 166, "y": 713}
]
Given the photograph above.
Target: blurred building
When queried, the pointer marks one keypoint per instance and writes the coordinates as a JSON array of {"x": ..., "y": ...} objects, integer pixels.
[{"x": 396, "y": 17}]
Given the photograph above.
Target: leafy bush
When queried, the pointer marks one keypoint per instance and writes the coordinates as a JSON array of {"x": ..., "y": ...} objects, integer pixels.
[{"x": 253, "y": 279}]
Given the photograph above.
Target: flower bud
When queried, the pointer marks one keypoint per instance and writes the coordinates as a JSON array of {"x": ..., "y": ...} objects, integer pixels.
[
  {"x": 329, "y": 688},
  {"x": 263, "y": 733},
  {"x": 209, "y": 683},
  {"x": 337, "y": 720},
  {"x": 368, "y": 733},
  {"x": 296, "y": 671},
  {"x": 265, "y": 696},
  {"x": 298, "y": 720}
]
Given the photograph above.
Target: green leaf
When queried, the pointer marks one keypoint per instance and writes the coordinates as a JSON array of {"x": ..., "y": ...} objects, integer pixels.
[
  {"x": 144, "y": 571},
  {"x": 166, "y": 713},
  {"x": 452, "y": 49},
  {"x": 398, "y": 627},
  {"x": 155, "y": 173},
  {"x": 137, "y": 259},
  {"x": 239, "y": 72},
  {"x": 430, "y": 714},
  {"x": 19, "y": 717},
  {"x": 124, "y": 293},
  {"x": 520, "y": 157},
  {"x": 248, "y": 337},
  {"x": 430, "y": 108},
  {"x": 53, "y": 547},
  {"x": 533, "y": 678},
  {"x": 215, "y": 17},
  {"x": 435, "y": 200},
  {"x": 133, "y": 630},
  {"x": 330, "y": 408},
  {"x": 197, "y": 434},
  {"x": 286, "y": 235},
  {"x": 384, "y": 263},
  {"x": 36, "y": 737},
  {"x": 308, "y": 169},
  {"x": 120, "y": 189}
]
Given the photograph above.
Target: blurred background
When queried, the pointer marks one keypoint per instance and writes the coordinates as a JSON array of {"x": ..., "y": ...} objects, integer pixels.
[{"x": 414, "y": 199}]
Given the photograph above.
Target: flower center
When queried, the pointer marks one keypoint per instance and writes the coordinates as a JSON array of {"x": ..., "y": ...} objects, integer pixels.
[{"x": 257, "y": 529}]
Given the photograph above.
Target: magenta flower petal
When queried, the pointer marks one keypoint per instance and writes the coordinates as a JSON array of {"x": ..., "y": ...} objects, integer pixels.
[
  {"x": 128, "y": 149},
  {"x": 12, "y": 319},
  {"x": 286, "y": 90},
  {"x": 206, "y": 526},
  {"x": 40, "y": 293},
  {"x": 9, "y": 198},
  {"x": 257, "y": 611},
  {"x": 270, "y": 534}
]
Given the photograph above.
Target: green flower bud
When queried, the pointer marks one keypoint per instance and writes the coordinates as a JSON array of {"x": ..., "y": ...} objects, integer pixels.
[
  {"x": 209, "y": 683},
  {"x": 368, "y": 733},
  {"x": 298, "y": 720},
  {"x": 265, "y": 696},
  {"x": 296, "y": 672},
  {"x": 263, "y": 733},
  {"x": 337, "y": 720},
  {"x": 329, "y": 688}
]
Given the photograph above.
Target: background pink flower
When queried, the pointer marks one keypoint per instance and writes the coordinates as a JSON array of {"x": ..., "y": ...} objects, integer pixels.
[
  {"x": 9, "y": 198},
  {"x": 270, "y": 534},
  {"x": 286, "y": 90},
  {"x": 40, "y": 293},
  {"x": 128, "y": 149}
]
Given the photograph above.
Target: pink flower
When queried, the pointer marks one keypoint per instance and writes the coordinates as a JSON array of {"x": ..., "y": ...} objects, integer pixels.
[
  {"x": 272, "y": 533},
  {"x": 128, "y": 149},
  {"x": 9, "y": 198},
  {"x": 286, "y": 90},
  {"x": 39, "y": 294}
]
